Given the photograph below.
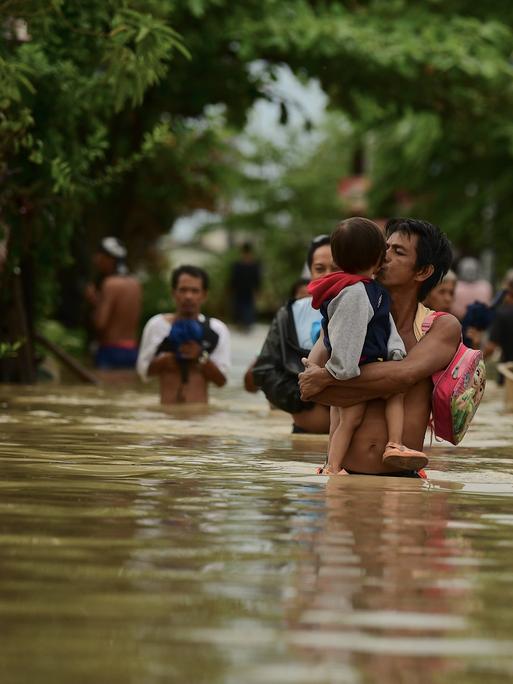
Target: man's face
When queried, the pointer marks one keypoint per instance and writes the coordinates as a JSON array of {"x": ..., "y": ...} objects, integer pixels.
[
  {"x": 189, "y": 296},
  {"x": 399, "y": 266},
  {"x": 322, "y": 262}
]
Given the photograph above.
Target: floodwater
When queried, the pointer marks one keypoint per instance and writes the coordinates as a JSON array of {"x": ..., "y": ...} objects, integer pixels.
[{"x": 194, "y": 545}]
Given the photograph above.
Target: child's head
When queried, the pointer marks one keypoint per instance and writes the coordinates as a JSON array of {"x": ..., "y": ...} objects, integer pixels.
[
  {"x": 298, "y": 289},
  {"x": 357, "y": 245}
]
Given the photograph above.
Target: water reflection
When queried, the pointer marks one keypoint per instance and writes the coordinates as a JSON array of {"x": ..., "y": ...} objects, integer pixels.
[{"x": 143, "y": 545}]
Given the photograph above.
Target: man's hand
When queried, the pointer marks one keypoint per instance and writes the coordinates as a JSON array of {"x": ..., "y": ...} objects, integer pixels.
[
  {"x": 190, "y": 350},
  {"x": 91, "y": 294},
  {"x": 312, "y": 380},
  {"x": 165, "y": 362}
]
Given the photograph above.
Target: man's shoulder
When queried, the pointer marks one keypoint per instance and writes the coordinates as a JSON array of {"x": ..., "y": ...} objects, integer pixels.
[
  {"x": 446, "y": 326},
  {"x": 121, "y": 282},
  {"x": 218, "y": 325},
  {"x": 158, "y": 320}
]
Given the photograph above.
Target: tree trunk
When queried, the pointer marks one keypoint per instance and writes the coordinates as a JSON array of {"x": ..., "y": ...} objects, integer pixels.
[{"x": 15, "y": 328}]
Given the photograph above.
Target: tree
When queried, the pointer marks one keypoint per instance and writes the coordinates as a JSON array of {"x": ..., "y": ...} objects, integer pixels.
[
  {"x": 432, "y": 82},
  {"x": 66, "y": 72},
  {"x": 281, "y": 196}
]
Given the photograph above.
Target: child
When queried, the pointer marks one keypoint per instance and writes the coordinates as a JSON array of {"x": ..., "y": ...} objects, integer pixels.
[{"x": 359, "y": 329}]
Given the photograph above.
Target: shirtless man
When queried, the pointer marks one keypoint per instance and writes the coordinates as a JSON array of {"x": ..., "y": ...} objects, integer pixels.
[
  {"x": 418, "y": 256},
  {"x": 185, "y": 373},
  {"x": 116, "y": 307}
]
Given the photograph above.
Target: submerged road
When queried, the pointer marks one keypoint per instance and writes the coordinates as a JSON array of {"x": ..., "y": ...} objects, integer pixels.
[{"x": 195, "y": 545}]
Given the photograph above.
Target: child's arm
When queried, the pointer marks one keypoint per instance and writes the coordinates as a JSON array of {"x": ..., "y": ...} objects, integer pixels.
[
  {"x": 349, "y": 315},
  {"x": 395, "y": 345}
]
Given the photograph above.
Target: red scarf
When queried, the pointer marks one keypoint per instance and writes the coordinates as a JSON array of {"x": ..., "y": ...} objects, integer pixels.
[{"x": 331, "y": 285}]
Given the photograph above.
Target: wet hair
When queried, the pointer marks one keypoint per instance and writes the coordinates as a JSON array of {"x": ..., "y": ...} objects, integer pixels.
[
  {"x": 317, "y": 242},
  {"x": 433, "y": 248},
  {"x": 357, "y": 244},
  {"x": 193, "y": 271}
]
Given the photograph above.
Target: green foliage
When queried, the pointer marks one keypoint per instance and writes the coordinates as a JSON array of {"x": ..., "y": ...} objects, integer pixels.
[
  {"x": 156, "y": 294},
  {"x": 66, "y": 73},
  {"x": 432, "y": 84},
  {"x": 281, "y": 196},
  {"x": 117, "y": 116},
  {"x": 8, "y": 349},
  {"x": 73, "y": 341}
]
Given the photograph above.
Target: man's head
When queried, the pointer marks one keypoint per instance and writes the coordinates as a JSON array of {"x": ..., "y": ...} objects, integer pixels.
[
  {"x": 189, "y": 285},
  {"x": 358, "y": 245},
  {"x": 110, "y": 256},
  {"x": 247, "y": 253},
  {"x": 418, "y": 255},
  {"x": 469, "y": 270},
  {"x": 319, "y": 258}
]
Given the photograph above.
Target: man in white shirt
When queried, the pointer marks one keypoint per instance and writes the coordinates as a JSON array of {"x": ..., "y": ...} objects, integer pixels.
[{"x": 185, "y": 350}]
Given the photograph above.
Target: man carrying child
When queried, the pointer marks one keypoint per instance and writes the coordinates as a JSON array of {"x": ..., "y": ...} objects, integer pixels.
[
  {"x": 359, "y": 329},
  {"x": 418, "y": 256}
]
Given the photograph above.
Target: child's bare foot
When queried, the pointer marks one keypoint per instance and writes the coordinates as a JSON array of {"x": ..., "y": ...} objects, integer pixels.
[
  {"x": 327, "y": 469},
  {"x": 400, "y": 457}
]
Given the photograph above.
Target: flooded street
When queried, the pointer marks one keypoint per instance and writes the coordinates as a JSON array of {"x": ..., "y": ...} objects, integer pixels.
[{"x": 142, "y": 545}]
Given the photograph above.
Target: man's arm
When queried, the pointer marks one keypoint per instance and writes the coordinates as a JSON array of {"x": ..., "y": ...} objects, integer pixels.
[
  {"x": 434, "y": 352},
  {"x": 212, "y": 373},
  {"x": 164, "y": 362},
  {"x": 104, "y": 305},
  {"x": 148, "y": 363},
  {"x": 193, "y": 351}
]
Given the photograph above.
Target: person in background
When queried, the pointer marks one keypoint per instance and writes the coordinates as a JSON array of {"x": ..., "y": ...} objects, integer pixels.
[
  {"x": 186, "y": 350},
  {"x": 293, "y": 332},
  {"x": 471, "y": 287},
  {"x": 297, "y": 291},
  {"x": 501, "y": 330},
  {"x": 115, "y": 300},
  {"x": 472, "y": 299},
  {"x": 299, "y": 288},
  {"x": 441, "y": 297},
  {"x": 245, "y": 278}
]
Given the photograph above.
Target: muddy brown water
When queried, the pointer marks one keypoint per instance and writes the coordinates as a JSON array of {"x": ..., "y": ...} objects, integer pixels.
[{"x": 195, "y": 545}]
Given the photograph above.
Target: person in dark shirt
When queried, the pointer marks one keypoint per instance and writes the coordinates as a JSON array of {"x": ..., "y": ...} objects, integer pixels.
[
  {"x": 244, "y": 284},
  {"x": 501, "y": 330}
]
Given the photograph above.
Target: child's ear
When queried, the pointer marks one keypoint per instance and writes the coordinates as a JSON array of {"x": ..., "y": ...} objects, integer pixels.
[{"x": 424, "y": 273}]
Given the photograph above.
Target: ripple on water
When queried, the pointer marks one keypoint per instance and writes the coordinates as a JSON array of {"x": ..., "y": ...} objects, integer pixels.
[{"x": 197, "y": 545}]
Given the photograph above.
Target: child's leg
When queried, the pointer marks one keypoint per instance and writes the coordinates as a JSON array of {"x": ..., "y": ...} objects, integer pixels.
[
  {"x": 347, "y": 421},
  {"x": 396, "y": 455},
  {"x": 394, "y": 415},
  {"x": 334, "y": 422}
]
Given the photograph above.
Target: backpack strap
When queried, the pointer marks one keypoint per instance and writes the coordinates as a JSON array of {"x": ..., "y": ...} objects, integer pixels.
[
  {"x": 210, "y": 337},
  {"x": 430, "y": 319}
]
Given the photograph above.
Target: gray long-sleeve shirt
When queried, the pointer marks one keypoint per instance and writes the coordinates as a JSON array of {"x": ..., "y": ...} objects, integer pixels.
[{"x": 349, "y": 314}]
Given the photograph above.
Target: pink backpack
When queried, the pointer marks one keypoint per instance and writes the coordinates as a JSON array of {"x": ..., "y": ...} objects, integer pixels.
[{"x": 457, "y": 390}]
